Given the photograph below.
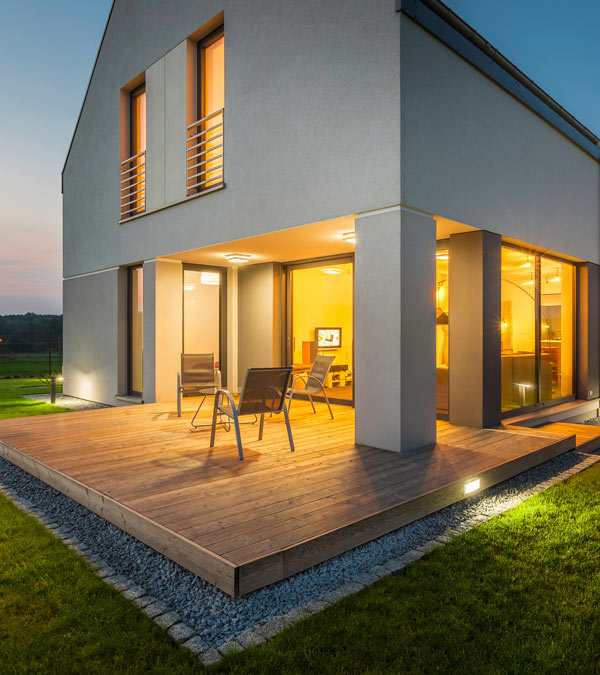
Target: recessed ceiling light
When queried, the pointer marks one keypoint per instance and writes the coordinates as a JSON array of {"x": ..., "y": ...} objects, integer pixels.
[
  {"x": 350, "y": 237},
  {"x": 331, "y": 270},
  {"x": 237, "y": 257}
]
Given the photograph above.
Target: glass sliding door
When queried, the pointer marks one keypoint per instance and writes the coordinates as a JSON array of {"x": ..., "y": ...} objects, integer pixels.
[
  {"x": 441, "y": 331},
  {"x": 203, "y": 313},
  {"x": 135, "y": 331},
  {"x": 320, "y": 321},
  {"x": 537, "y": 329}
]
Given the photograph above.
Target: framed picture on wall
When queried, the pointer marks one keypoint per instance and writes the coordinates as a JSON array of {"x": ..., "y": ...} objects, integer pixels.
[{"x": 328, "y": 338}]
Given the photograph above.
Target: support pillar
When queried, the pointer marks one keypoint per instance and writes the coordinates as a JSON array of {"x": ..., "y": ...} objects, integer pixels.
[
  {"x": 394, "y": 329},
  {"x": 474, "y": 328},
  {"x": 588, "y": 331}
]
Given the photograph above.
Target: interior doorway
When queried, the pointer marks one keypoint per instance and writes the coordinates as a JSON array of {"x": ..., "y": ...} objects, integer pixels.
[
  {"x": 204, "y": 313},
  {"x": 320, "y": 316}
]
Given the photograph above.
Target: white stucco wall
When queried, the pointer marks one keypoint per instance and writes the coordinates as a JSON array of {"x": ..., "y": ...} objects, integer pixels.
[
  {"x": 311, "y": 124},
  {"x": 473, "y": 153}
]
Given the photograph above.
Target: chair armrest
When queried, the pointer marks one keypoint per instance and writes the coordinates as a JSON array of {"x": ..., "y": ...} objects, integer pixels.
[
  {"x": 218, "y": 379},
  {"x": 228, "y": 396}
]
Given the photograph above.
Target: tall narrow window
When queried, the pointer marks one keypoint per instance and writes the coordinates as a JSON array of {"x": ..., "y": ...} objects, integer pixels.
[
  {"x": 135, "y": 329},
  {"x": 133, "y": 169},
  {"x": 441, "y": 330},
  {"x": 205, "y": 165}
]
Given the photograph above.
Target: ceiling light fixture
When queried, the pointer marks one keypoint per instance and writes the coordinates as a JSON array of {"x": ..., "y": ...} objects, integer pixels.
[
  {"x": 237, "y": 257},
  {"x": 350, "y": 237},
  {"x": 331, "y": 270}
]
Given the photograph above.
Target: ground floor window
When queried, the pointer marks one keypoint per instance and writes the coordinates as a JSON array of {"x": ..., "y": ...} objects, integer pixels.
[
  {"x": 537, "y": 329},
  {"x": 441, "y": 330},
  {"x": 135, "y": 329},
  {"x": 320, "y": 321}
]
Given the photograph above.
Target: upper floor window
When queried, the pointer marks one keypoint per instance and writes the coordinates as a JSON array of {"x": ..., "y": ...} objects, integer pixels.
[
  {"x": 205, "y": 137},
  {"x": 133, "y": 169}
]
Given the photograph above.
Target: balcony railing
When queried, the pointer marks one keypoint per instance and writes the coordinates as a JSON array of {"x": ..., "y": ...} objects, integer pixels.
[
  {"x": 204, "y": 162},
  {"x": 133, "y": 185}
]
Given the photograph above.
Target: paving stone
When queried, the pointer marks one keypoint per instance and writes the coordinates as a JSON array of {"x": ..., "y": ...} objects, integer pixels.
[
  {"x": 365, "y": 579},
  {"x": 210, "y": 657},
  {"x": 296, "y": 614},
  {"x": 144, "y": 601},
  {"x": 271, "y": 627},
  {"x": 156, "y": 609},
  {"x": 134, "y": 592},
  {"x": 379, "y": 571},
  {"x": 118, "y": 581},
  {"x": 196, "y": 645},
  {"x": 167, "y": 620},
  {"x": 316, "y": 606},
  {"x": 395, "y": 565},
  {"x": 106, "y": 571},
  {"x": 411, "y": 556},
  {"x": 251, "y": 639},
  {"x": 347, "y": 589},
  {"x": 230, "y": 647},
  {"x": 444, "y": 538},
  {"x": 180, "y": 632}
]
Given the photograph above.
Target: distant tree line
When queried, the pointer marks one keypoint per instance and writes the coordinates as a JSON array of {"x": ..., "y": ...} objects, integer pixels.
[{"x": 28, "y": 333}]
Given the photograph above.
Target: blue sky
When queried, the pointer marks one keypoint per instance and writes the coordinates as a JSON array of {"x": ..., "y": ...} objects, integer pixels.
[{"x": 47, "y": 49}]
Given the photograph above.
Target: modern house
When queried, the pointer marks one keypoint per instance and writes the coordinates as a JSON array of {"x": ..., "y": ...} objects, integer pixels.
[{"x": 269, "y": 180}]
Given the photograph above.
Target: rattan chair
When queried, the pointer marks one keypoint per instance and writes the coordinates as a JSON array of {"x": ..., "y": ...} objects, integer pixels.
[
  {"x": 198, "y": 376},
  {"x": 263, "y": 392},
  {"x": 314, "y": 382}
]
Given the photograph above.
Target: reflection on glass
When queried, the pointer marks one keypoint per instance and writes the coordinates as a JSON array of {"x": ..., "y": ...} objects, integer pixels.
[
  {"x": 556, "y": 328},
  {"x": 213, "y": 99},
  {"x": 136, "y": 329},
  {"x": 138, "y": 145},
  {"x": 517, "y": 329},
  {"x": 322, "y": 302},
  {"x": 441, "y": 330},
  {"x": 202, "y": 312}
]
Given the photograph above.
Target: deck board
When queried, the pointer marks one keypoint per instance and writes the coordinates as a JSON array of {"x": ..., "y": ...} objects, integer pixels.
[{"x": 242, "y": 525}]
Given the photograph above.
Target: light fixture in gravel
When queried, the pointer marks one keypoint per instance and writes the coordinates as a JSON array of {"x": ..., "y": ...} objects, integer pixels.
[{"x": 472, "y": 486}]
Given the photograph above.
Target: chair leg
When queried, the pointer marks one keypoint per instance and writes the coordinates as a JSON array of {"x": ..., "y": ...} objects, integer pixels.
[
  {"x": 291, "y": 397},
  {"x": 327, "y": 400},
  {"x": 311, "y": 402},
  {"x": 289, "y": 429},
  {"x": 238, "y": 436},
  {"x": 261, "y": 427},
  {"x": 214, "y": 420},
  {"x": 196, "y": 426}
]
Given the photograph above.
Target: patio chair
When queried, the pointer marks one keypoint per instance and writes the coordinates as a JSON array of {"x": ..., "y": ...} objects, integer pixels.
[
  {"x": 314, "y": 382},
  {"x": 264, "y": 391},
  {"x": 199, "y": 376}
]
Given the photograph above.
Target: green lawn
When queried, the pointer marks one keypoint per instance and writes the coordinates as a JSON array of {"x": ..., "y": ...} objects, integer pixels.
[
  {"x": 520, "y": 594},
  {"x": 28, "y": 365},
  {"x": 12, "y": 403}
]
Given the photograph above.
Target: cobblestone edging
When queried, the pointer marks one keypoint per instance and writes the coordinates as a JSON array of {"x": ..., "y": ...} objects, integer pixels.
[{"x": 162, "y": 614}]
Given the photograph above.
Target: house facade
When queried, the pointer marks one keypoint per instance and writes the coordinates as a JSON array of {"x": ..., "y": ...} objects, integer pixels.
[{"x": 267, "y": 181}]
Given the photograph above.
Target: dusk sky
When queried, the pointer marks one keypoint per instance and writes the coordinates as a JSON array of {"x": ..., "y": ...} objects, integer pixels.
[{"x": 47, "y": 49}]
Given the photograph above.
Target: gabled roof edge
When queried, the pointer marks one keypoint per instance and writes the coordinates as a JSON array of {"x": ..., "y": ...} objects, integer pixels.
[{"x": 86, "y": 94}]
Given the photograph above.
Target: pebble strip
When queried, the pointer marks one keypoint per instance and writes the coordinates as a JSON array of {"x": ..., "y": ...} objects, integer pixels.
[{"x": 162, "y": 614}]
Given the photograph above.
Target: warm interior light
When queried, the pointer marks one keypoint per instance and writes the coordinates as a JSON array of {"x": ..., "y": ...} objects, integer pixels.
[
  {"x": 331, "y": 270},
  {"x": 189, "y": 287},
  {"x": 441, "y": 256},
  {"x": 531, "y": 282},
  {"x": 209, "y": 278},
  {"x": 60, "y": 378},
  {"x": 472, "y": 486},
  {"x": 237, "y": 257},
  {"x": 350, "y": 237},
  {"x": 505, "y": 324}
]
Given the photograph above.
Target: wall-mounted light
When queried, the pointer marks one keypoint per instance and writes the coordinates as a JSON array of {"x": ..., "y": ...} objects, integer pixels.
[
  {"x": 472, "y": 486},
  {"x": 350, "y": 237},
  {"x": 331, "y": 270},
  {"x": 210, "y": 278},
  {"x": 237, "y": 257}
]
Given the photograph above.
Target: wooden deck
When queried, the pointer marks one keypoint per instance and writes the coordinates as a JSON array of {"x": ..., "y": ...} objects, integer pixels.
[{"x": 243, "y": 525}]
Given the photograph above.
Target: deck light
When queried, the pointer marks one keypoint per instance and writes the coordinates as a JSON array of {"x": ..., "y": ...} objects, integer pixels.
[
  {"x": 472, "y": 486},
  {"x": 237, "y": 257},
  {"x": 350, "y": 237},
  {"x": 331, "y": 270}
]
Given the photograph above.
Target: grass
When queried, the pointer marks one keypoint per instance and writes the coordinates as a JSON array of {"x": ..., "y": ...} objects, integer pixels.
[
  {"x": 13, "y": 403},
  {"x": 28, "y": 365},
  {"x": 520, "y": 594}
]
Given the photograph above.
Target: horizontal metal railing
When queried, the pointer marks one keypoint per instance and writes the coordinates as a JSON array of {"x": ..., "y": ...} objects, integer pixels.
[
  {"x": 133, "y": 185},
  {"x": 205, "y": 156}
]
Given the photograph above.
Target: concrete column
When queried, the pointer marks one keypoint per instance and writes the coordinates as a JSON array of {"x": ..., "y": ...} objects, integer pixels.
[
  {"x": 149, "y": 339},
  {"x": 394, "y": 329},
  {"x": 474, "y": 328},
  {"x": 588, "y": 331},
  {"x": 155, "y": 135}
]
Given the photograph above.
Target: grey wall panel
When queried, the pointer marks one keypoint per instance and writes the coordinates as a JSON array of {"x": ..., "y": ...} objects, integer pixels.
[{"x": 473, "y": 153}]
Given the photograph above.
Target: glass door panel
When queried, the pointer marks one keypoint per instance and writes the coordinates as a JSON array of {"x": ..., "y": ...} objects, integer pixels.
[
  {"x": 136, "y": 329},
  {"x": 321, "y": 298},
  {"x": 202, "y": 312},
  {"x": 518, "y": 329},
  {"x": 556, "y": 329},
  {"x": 441, "y": 331}
]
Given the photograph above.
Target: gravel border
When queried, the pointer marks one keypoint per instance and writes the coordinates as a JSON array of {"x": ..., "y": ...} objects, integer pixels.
[
  {"x": 422, "y": 537},
  {"x": 70, "y": 402}
]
